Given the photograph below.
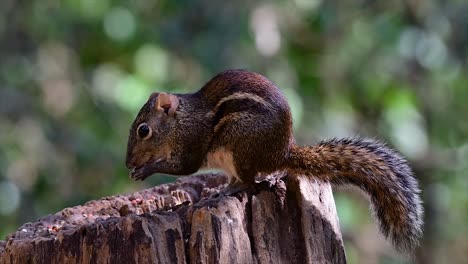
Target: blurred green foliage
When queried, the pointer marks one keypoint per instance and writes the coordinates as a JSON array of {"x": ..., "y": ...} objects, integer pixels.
[{"x": 74, "y": 73}]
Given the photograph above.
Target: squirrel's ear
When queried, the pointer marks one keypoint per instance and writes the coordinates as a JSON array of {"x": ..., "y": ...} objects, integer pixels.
[
  {"x": 152, "y": 96},
  {"x": 167, "y": 103}
]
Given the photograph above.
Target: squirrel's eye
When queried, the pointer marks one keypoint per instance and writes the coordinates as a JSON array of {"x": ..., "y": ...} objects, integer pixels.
[{"x": 144, "y": 131}]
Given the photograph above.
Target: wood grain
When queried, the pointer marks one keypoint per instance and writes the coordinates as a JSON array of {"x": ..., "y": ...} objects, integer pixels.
[{"x": 284, "y": 220}]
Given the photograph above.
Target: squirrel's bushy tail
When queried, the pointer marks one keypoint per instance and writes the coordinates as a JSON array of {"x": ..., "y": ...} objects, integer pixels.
[{"x": 376, "y": 169}]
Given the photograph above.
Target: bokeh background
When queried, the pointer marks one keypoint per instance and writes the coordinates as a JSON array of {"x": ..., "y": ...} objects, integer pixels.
[{"x": 74, "y": 73}]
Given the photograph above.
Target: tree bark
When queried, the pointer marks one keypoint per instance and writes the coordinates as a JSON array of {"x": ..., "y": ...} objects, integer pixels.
[{"x": 281, "y": 220}]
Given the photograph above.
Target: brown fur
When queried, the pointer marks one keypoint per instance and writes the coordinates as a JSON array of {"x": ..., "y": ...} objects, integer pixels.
[
  {"x": 375, "y": 169},
  {"x": 240, "y": 122}
]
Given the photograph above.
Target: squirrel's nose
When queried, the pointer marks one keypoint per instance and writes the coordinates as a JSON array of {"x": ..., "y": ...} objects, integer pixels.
[
  {"x": 130, "y": 162},
  {"x": 130, "y": 158},
  {"x": 129, "y": 165}
]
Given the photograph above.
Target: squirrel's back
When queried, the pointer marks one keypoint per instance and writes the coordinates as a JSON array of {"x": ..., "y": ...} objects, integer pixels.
[{"x": 238, "y": 84}]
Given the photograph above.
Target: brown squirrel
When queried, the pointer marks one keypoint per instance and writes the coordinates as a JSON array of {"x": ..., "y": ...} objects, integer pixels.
[{"x": 240, "y": 122}]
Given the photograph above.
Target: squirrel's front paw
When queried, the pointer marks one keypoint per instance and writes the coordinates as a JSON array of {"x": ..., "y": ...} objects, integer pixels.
[{"x": 138, "y": 174}]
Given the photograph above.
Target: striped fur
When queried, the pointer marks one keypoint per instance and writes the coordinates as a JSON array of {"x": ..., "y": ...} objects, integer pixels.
[{"x": 376, "y": 169}]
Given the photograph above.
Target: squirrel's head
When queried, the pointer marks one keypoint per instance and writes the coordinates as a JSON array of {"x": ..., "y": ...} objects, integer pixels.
[{"x": 149, "y": 139}]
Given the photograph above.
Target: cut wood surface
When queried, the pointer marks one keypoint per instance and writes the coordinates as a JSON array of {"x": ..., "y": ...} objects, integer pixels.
[{"x": 284, "y": 220}]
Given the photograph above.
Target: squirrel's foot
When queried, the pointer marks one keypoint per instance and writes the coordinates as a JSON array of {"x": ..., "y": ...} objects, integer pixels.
[{"x": 235, "y": 188}]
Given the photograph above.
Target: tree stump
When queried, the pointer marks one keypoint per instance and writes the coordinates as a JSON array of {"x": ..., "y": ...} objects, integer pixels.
[{"x": 284, "y": 220}]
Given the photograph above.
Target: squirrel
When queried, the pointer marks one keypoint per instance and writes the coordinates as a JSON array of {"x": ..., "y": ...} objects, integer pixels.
[{"x": 240, "y": 122}]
